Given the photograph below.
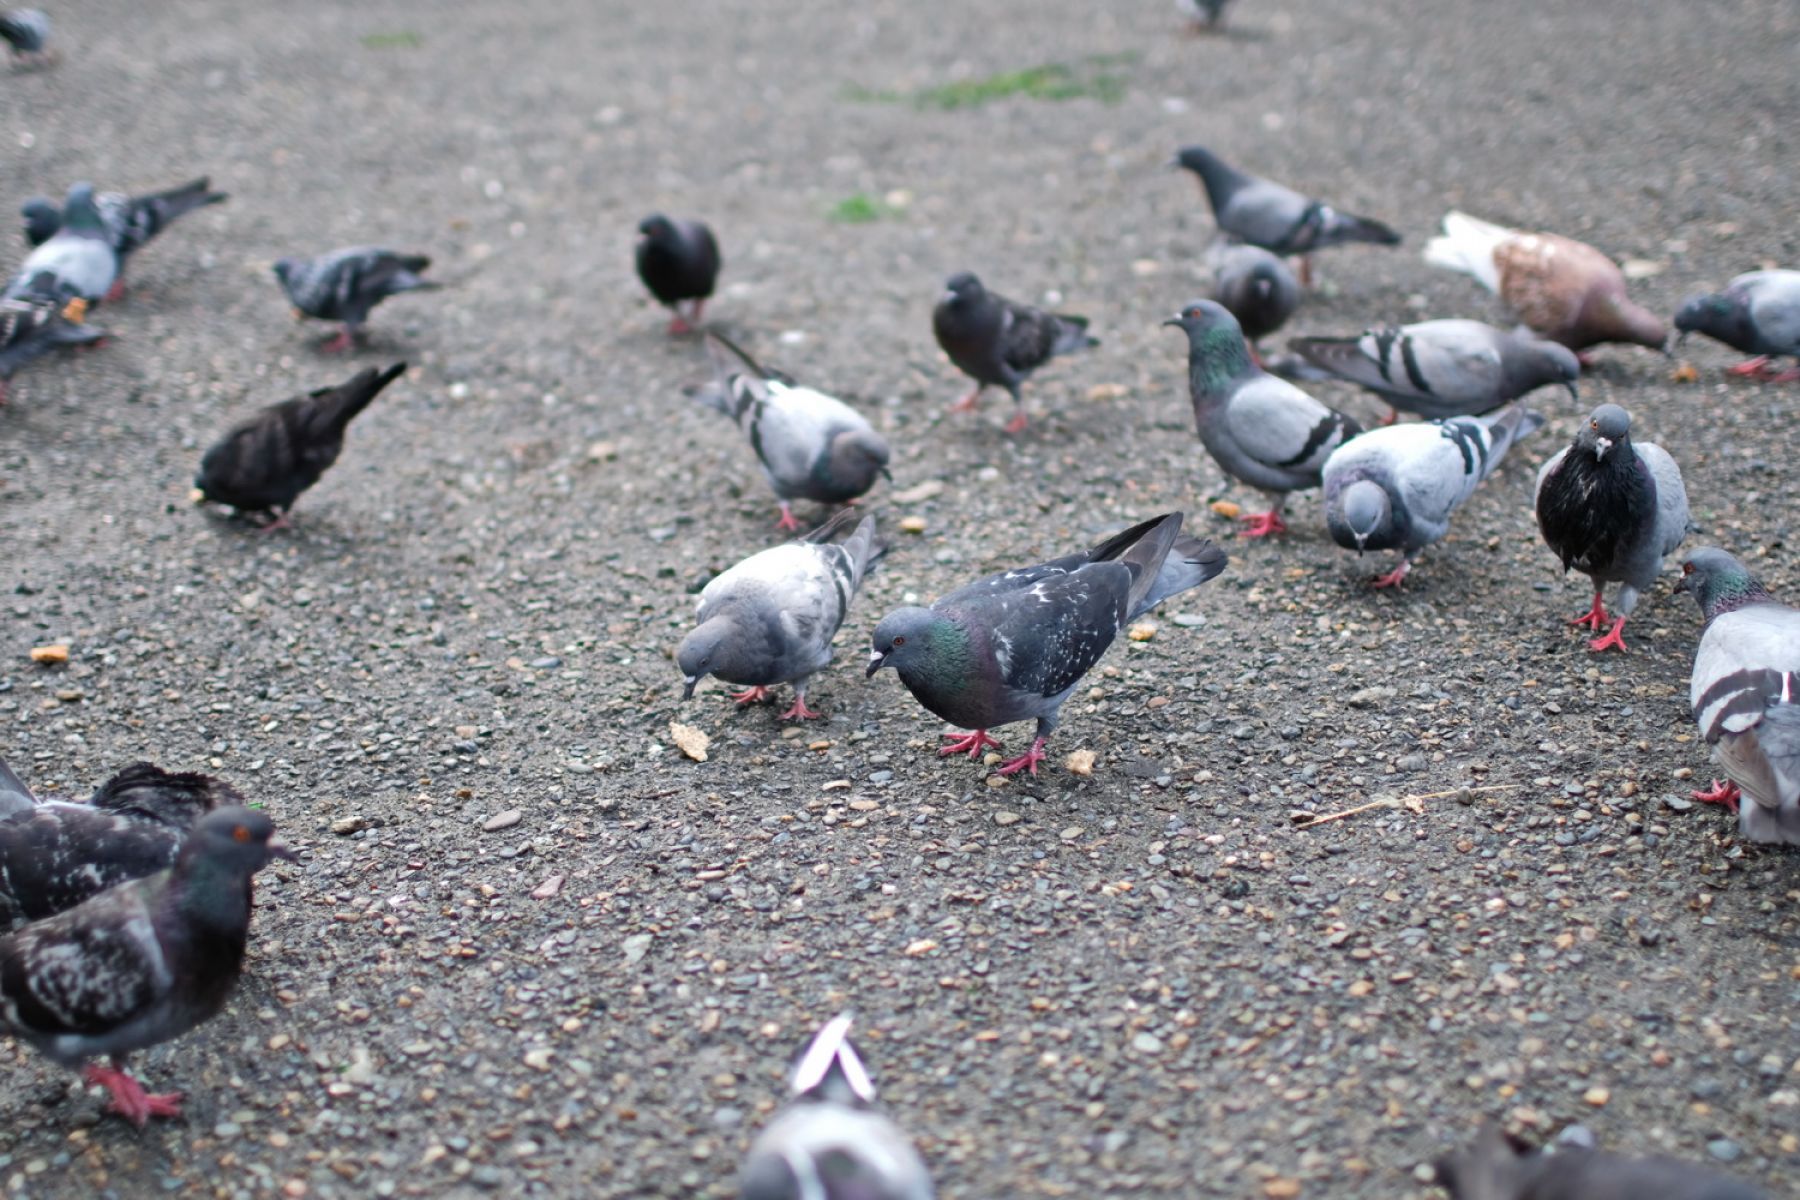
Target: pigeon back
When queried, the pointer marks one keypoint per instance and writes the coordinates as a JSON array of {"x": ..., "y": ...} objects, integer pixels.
[{"x": 1745, "y": 693}]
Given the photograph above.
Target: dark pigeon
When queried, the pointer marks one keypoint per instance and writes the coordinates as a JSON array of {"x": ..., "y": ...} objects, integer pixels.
[
  {"x": 1498, "y": 1167},
  {"x": 344, "y": 285},
  {"x": 264, "y": 464},
  {"x": 1441, "y": 369},
  {"x": 679, "y": 262},
  {"x": 79, "y": 258},
  {"x": 1206, "y": 14},
  {"x": 130, "y": 221},
  {"x": 999, "y": 342},
  {"x": 140, "y": 963},
  {"x": 1758, "y": 313},
  {"x": 1254, "y": 286},
  {"x": 27, "y": 32},
  {"x": 1012, "y": 647},
  {"x": 35, "y": 324}
]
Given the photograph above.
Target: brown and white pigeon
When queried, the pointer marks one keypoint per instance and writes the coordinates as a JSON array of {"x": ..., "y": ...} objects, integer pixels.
[
  {"x": 679, "y": 262},
  {"x": 1498, "y": 1167},
  {"x": 1758, "y": 313},
  {"x": 999, "y": 342}
]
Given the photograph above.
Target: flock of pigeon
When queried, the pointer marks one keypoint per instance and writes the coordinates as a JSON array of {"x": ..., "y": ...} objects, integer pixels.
[{"x": 129, "y": 912}]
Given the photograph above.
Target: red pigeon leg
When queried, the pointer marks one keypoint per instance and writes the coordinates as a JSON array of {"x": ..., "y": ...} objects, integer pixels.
[
  {"x": 1392, "y": 578},
  {"x": 1027, "y": 761},
  {"x": 1726, "y": 793},
  {"x": 1306, "y": 280},
  {"x": 1753, "y": 367},
  {"x": 116, "y": 292},
  {"x": 974, "y": 743},
  {"x": 678, "y": 324},
  {"x": 129, "y": 1099},
  {"x": 344, "y": 341},
  {"x": 967, "y": 403},
  {"x": 1791, "y": 375},
  {"x": 755, "y": 695},
  {"x": 799, "y": 712},
  {"x": 1594, "y": 617},
  {"x": 1613, "y": 639},
  {"x": 1262, "y": 524},
  {"x": 788, "y": 520},
  {"x": 280, "y": 522},
  {"x": 1018, "y": 422}
]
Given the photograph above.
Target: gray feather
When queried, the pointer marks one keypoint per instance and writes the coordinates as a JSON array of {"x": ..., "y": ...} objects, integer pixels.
[{"x": 1447, "y": 368}]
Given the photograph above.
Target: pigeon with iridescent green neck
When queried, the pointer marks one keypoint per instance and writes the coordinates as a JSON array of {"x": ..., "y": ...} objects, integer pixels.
[{"x": 79, "y": 259}]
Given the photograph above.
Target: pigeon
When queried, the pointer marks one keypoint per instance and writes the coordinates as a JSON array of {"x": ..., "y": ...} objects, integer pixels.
[
  {"x": 1205, "y": 14},
  {"x": 265, "y": 462},
  {"x": 27, "y": 32},
  {"x": 140, "y": 963},
  {"x": 1394, "y": 488},
  {"x": 78, "y": 258},
  {"x": 130, "y": 221},
  {"x": 55, "y": 854},
  {"x": 770, "y": 619},
  {"x": 812, "y": 446},
  {"x": 1013, "y": 646},
  {"x": 1000, "y": 342},
  {"x": 1563, "y": 289},
  {"x": 1255, "y": 286},
  {"x": 1259, "y": 429},
  {"x": 34, "y": 325},
  {"x": 679, "y": 262},
  {"x": 1613, "y": 509},
  {"x": 1758, "y": 313},
  {"x": 1441, "y": 369},
  {"x": 344, "y": 285},
  {"x": 1499, "y": 1167},
  {"x": 831, "y": 1143},
  {"x": 1746, "y": 694}
]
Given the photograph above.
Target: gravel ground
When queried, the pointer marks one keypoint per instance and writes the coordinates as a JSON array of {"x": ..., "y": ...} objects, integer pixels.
[{"x": 531, "y": 947}]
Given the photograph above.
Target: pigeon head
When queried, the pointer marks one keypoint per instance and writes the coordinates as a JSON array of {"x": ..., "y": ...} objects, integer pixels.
[
  {"x": 1607, "y": 428},
  {"x": 913, "y": 640},
  {"x": 656, "y": 229},
  {"x": 1366, "y": 511},
  {"x": 1714, "y": 314},
  {"x": 855, "y": 458},
  {"x": 1496, "y": 1167},
  {"x": 1218, "y": 179},
  {"x": 1718, "y": 582},
  {"x": 1217, "y": 351},
  {"x": 720, "y": 648},
  {"x": 963, "y": 288},
  {"x": 80, "y": 212},
  {"x": 42, "y": 220},
  {"x": 1552, "y": 362},
  {"x": 239, "y": 841},
  {"x": 829, "y": 1070},
  {"x": 285, "y": 269}
]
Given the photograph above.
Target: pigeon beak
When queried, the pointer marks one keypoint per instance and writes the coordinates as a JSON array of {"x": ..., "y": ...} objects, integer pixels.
[
  {"x": 1601, "y": 446},
  {"x": 1173, "y": 321},
  {"x": 877, "y": 660},
  {"x": 1681, "y": 336},
  {"x": 886, "y": 474},
  {"x": 280, "y": 849},
  {"x": 687, "y": 693},
  {"x": 1574, "y": 392},
  {"x": 1681, "y": 585}
]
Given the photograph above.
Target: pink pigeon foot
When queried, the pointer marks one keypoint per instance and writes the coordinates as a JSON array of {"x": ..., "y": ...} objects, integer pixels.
[
  {"x": 967, "y": 403},
  {"x": 1586, "y": 359},
  {"x": 1393, "y": 415},
  {"x": 1726, "y": 793},
  {"x": 799, "y": 712},
  {"x": 1262, "y": 524},
  {"x": 1392, "y": 578},
  {"x": 129, "y": 1099},
  {"x": 1613, "y": 639},
  {"x": 343, "y": 342},
  {"x": 1018, "y": 422},
  {"x": 787, "y": 521},
  {"x": 1027, "y": 761},
  {"x": 755, "y": 695},
  {"x": 1594, "y": 617},
  {"x": 1306, "y": 275},
  {"x": 280, "y": 522},
  {"x": 678, "y": 325},
  {"x": 974, "y": 743},
  {"x": 1753, "y": 367}
]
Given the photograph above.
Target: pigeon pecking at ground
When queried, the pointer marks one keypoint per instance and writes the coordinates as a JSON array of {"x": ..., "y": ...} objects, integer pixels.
[
  {"x": 344, "y": 285},
  {"x": 1613, "y": 509},
  {"x": 1394, "y": 488},
  {"x": 130, "y": 221},
  {"x": 264, "y": 463},
  {"x": 140, "y": 963},
  {"x": 1758, "y": 313},
  {"x": 770, "y": 619},
  {"x": 811, "y": 446},
  {"x": 1259, "y": 429},
  {"x": 1013, "y": 646},
  {"x": 1499, "y": 1167},
  {"x": 1000, "y": 342},
  {"x": 679, "y": 262},
  {"x": 1254, "y": 286},
  {"x": 27, "y": 32},
  {"x": 33, "y": 325},
  {"x": 831, "y": 1143},
  {"x": 1745, "y": 692},
  {"x": 78, "y": 260}
]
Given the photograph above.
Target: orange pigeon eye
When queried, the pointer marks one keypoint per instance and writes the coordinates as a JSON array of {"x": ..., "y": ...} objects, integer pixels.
[
  {"x": 899, "y": 641},
  {"x": 241, "y": 833}
]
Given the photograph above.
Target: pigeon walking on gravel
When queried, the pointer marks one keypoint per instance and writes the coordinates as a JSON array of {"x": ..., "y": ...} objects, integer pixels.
[
  {"x": 1012, "y": 647},
  {"x": 1745, "y": 692},
  {"x": 140, "y": 963},
  {"x": 264, "y": 464},
  {"x": 1758, "y": 313},
  {"x": 811, "y": 446},
  {"x": 33, "y": 325},
  {"x": 1000, "y": 342},
  {"x": 1441, "y": 369},
  {"x": 1254, "y": 286},
  {"x": 770, "y": 619},
  {"x": 130, "y": 221},
  {"x": 1261, "y": 430},
  {"x": 831, "y": 1143},
  {"x": 78, "y": 260},
  {"x": 1394, "y": 488},
  {"x": 1563, "y": 289},
  {"x": 679, "y": 262},
  {"x": 27, "y": 32},
  {"x": 1498, "y": 1167},
  {"x": 1613, "y": 509},
  {"x": 344, "y": 285}
]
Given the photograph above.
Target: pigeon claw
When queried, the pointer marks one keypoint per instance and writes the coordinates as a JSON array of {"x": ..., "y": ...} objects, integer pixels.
[
  {"x": 800, "y": 712},
  {"x": 678, "y": 325},
  {"x": 1594, "y": 617},
  {"x": 1262, "y": 524},
  {"x": 974, "y": 743},
  {"x": 1027, "y": 761},
  {"x": 1392, "y": 578},
  {"x": 1753, "y": 368},
  {"x": 967, "y": 403},
  {"x": 755, "y": 695},
  {"x": 1725, "y": 793},
  {"x": 343, "y": 342},
  {"x": 1613, "y": 639},
  {"x": 788, "y": 521},
  {"x": 1018, "y": 422},
  {"x": 129, "y": 1099}
]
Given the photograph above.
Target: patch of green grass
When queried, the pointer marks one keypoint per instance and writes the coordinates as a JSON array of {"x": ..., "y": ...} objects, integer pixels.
[
  {"x": 401, "y": 39},
  {"x": 1097, "y": 76},
  {"x": 860, "y": 209}
]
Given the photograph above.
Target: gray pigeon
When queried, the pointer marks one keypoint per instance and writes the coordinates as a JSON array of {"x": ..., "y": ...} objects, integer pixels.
[
  {"x": 679, "y": 262},
  {"x": 812, "y": 446},
  {"x": 770, "y": 619},
  {"x": 1445, "y": 368},
  {"x": 27, "y": 32},
  {"x": 344, "y": 285},
  {"x": 1746, "y": 694},
  {"x": 1394, "y": 488},
  {"x": 1206, "y": 14},
  {"x": 1255, "y": 286},
  {"x": 1259, "y": 429},
  {"x": 55, "y": 854},
  {"x": 1012, "y": 647},
  {"x": 130, "y": 221},
  {"x": 1613, "y": 509},
  {"x": 1498, "y": 1167},
  {"x": 140, "y": 963},
  {"x": 1000, "y": 342},
  {"x": 831, "y": 1143},
  {"x": 1758, "y": 313},
  {"x": 34, "y": 325},
  {"x": 79, "y": 258}
]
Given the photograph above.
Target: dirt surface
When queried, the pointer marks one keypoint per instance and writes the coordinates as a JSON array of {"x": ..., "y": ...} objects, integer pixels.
[{"x": 451, "y": 682}]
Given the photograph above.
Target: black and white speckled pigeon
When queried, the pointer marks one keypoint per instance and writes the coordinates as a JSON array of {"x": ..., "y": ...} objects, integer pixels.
[
  {"x": 770, "y": 619},
  {"x": 1613, "y": 509},
  {"x": 1395, "y": 488},
  {"x": 344, "y": 285},
  {"x": 831, "y": 1143},
  {"x": 33, "y": 325},
  {"x": 1255, "y": 286},
  {"x": 27, "y": 32},
  {"x": 1012, "y": 647},
  {"x": 679, "y": 262},
  {"x": 1745, "y": 691},
  {"x": 79, "y": 257},
  {"x": 140, "y": 963},
  {"x": 1498, "y": 1167},
  {"x": 54, "y": 854},
  {"x": 1259, "y": 429},
  {"x": 1000, "y": 342},
  {"x": 264, "y": 463},
  {"x": 812, "y": 446},
  {"x": 130, "y": 221},
  {"x": 1448, "y": 368},
  {"x": 1758, "y": 313}
]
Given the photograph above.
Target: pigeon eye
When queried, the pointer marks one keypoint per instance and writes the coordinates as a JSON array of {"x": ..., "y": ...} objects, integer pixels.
[
  {"x": 240, "y": 834},
  {"x": 899, "y": 641}
]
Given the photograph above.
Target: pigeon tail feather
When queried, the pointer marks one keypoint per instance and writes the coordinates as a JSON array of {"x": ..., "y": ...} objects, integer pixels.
[
  {"x": 1467, "y": 245},
  {"x": 1191, "y": 561}
]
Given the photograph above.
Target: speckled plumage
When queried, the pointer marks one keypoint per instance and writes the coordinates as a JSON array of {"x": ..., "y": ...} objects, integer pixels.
[
  {"x": 79, "y": 257},
  {"x": 999, "y": 342},
  {"x": 34, "y": 325},
  {"x": 130, "y": 221},
  {"x": 344, "y": 285},
  {"x": 1448, "y": 368}
]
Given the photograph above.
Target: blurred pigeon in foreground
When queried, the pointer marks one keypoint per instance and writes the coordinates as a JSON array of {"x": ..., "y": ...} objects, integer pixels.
[
  {"x": 344, "y": 285},
  {"x": 1444, "y": 368},
  {"x": 830, "y": 1143},
  {"x": 770, "y": 619},
  {"x": 33, "y": 325},
  {"x": 140, "y": 963},
  {"x": 1566, "y": 290},
  {"x": 265, "y": 462},
  {"x": 1206, "y": 14},
  {"x": 1254, "y": 286},
  {"x": 27, "y": 32},
  {"x": 1758, "y": 313},
  {"x": 55, "y": 854},
  {"x": 679, "y": 262},
  {"x": 1012, "y": 647},
  {"x": 1498, "y": 1167},
  {"x": 130, "y": 221},
  {"x": 1745, "y": 693},
  {"x": 812, "y": 446},
  {"x": 79, "y": 259},
  {"x": 1394, "y": 488},
  {"x": 1613, "y": 509},
  {"x": 1000, "y": 342},
  {"x": 1259, "y": 429}
]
